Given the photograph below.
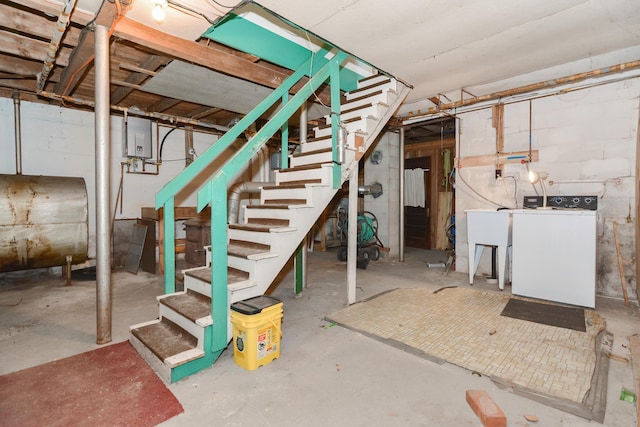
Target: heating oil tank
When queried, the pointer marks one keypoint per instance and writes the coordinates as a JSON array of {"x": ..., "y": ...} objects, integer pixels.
[{"x": 43, "y": 219}]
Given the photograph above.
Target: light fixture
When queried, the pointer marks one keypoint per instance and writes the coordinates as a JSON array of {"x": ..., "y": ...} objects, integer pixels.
[
  {"x": 158, "y": 10},
  {"x": 535, "y": 177}
]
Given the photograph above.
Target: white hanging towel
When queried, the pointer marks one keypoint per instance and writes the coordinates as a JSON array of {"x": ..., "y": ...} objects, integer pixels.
[{"x": 414, "y": 187}]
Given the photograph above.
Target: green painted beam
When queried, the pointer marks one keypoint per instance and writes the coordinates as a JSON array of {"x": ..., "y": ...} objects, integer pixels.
[
  {"x": 241, "y": 157},
  {"x": 246, "y": 36},
  {"x": 335, "y": 123},
  {"x": 219, "y": 262},
  {"x": 174, "y": 186},
  {"x": 169, "y": 224}
]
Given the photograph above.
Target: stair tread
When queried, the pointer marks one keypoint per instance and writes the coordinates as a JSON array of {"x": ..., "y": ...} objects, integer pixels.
[
  {"x": 245, "y": 249},
  {"x": 310, "y": 153},
  {"x": 265, "y": 228},
  {"x": 362, "y": 89},
  {"x": 286, "y": 201},
  {"x": 353, "y": 119},
  {"x": 165, "y": 339},
  {"x": 204, "y": 274},
  {"x": 191, "y": 305},
  {"x": 360, "y": 98},
  {"x": 302, "y": 183}
]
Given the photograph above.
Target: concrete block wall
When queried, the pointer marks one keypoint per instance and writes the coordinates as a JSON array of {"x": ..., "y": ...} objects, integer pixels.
[
  {"x": 587, "y": 143},
  {"x": 61, "y": 142},
  {"x": 385, "y": 207}
]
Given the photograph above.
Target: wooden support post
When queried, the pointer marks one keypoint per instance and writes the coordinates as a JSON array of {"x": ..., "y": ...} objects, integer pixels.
[{"x": 498, "y": 124}]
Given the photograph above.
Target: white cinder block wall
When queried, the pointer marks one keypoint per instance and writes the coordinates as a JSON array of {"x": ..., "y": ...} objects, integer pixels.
[
  {"x": 61, "y": 142},
  {"x": 385, "y": 207},
  {"x": 587, "y": 143}
]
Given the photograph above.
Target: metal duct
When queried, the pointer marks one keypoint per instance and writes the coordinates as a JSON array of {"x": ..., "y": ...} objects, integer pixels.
[
  {"x": 43, "y": 219},
  {"x": 374, "y": 190},
  {"x": 233, "y": 204},
  {"x": 54, "y": 44}
]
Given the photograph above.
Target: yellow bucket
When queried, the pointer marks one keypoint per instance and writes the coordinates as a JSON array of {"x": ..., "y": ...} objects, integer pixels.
[{"x": 256, "y": 331}]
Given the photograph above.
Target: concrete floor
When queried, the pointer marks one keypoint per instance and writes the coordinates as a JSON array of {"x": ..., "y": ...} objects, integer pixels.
[{"x": 326, "y": 375}]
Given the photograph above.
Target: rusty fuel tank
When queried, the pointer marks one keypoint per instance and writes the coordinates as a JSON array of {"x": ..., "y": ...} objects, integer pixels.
[{"x": 43, "y": 219}]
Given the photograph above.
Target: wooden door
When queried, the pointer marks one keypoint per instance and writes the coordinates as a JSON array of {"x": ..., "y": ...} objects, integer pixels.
[{"x": 417, "y": 219}]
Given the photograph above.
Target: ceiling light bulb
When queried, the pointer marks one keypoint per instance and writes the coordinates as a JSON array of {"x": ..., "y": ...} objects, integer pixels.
[{"x": 158, "y": 13}]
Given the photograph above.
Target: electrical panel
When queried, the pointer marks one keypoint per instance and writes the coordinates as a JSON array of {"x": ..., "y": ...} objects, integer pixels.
[{"x": 138, "y": 138}]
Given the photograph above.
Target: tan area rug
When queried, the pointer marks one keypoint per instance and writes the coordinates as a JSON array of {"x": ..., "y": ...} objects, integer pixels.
[{"x": 557, "y": 366}]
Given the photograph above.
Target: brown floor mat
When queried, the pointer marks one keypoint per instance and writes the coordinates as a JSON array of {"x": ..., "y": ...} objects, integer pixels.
[{"x": 546, "y": 314}]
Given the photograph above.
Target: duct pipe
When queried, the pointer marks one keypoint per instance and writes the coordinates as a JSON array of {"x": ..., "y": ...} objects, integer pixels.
[
  {"x": 54, "y": 44},
  {"x": 17, "y": 126},
  {"x": 233, "y": 203},
  {"x": 103, "y": 224},
  {"x": 401, "y": 216}
]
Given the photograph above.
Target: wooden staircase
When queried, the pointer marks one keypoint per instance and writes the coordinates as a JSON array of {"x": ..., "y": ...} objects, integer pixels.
[{"x": 181, "y": 341}]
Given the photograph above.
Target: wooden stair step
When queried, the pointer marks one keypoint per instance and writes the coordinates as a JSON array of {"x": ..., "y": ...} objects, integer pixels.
[
  {"x": 362, "y": 89},
  {"x": 286, "y": 201},
  {"x": 353, "y": 119},
  {"x": 267, "y": 206},
  {"x": 233, "y": 275},
  {"x": 360, "y": 98},
  {"x": 261, "y": 228},
  {"x": 371, "y": 77},
  {"x": 165, "y": 339},
  {"x": 301, "y": 168},
  {"x": 359, "y": 107},
  {"x": 191, "y": 305},
  {"x": 310, "y": 153},
  {"x": 294, "y": 184},
  {"x": 269, "y": 221},
  {"x": 245, "y": 249}
]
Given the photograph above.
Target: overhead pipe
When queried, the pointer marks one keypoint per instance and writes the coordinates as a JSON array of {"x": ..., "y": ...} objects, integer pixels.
[
  {"x": 16, "y": 115},
  {"x": 103, "y": 223},
  {"x": 525, "y": 89},
  {"x": 233, "y": 203},
  {"x": 136, "y": 112},
  {"x": 54, "y": 44}
]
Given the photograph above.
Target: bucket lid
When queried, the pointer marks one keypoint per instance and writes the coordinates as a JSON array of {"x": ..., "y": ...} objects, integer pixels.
[{"x": 254, "y": 305}]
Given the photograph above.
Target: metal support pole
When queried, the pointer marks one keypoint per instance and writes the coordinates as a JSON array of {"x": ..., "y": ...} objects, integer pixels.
[
  {"x": 304, "y": 118},
  {"x": 16, "y": 115},
  {"x": 68, "y": 258},
  {"x": 401, "y": 216},
  {"x": 352, "y": 241},
  {"x": 103, "y": 224}
]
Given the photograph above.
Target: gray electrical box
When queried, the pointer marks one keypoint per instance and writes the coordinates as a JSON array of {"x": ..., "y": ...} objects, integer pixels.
[{"x": 138, "y": 138}]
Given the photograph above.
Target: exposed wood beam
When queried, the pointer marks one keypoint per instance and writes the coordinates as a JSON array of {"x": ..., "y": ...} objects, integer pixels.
[
  {"x": 124, "y": 84},
  {"x": 137, "y": 69},
  {"x": 500, "y": 159},
  {"x": 19, "y": 66},
  {"x": 29, "y": 23},
  {"x": 163, "y": 105},
  {"x": 54, "y": 8},
  {"x": 29, "y": 48},
  {"x": 83, "y": 54},
  {"x": 206, "y": 56},
  {"x": 203, "y": 112},
  {"x": 153, "y": 62}
]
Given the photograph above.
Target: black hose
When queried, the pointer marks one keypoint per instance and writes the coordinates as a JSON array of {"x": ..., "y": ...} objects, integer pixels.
[{"x": 162, "y": 143}]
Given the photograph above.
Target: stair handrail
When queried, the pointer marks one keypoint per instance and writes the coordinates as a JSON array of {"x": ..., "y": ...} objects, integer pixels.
[{"x": 215, "y": 193}]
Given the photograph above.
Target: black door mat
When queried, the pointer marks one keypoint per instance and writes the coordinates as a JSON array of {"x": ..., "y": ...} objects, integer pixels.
[{"x": 546, "y": 314}]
